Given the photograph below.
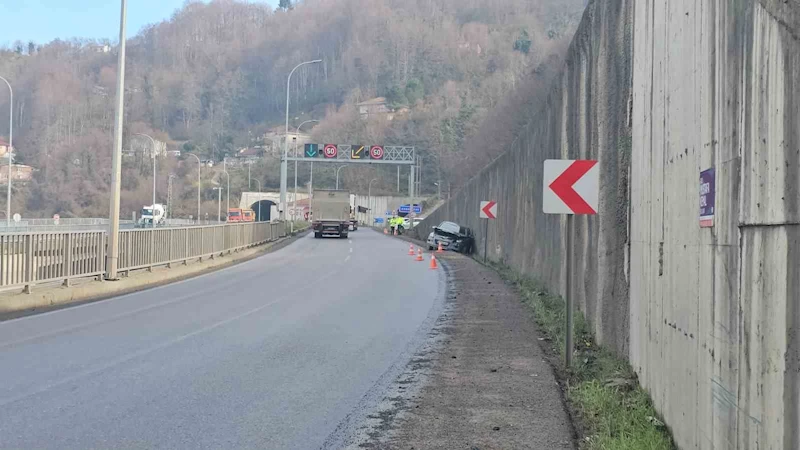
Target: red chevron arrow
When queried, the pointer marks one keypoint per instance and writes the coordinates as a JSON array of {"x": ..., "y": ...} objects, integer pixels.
[
  {"x": 487, "y": 209},
  {"x": 563, "y": 187}
]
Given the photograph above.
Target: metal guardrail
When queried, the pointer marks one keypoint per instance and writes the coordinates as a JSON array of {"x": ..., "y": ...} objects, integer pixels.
[
  {"x": 28, "y": 259},
  {"x": 34, "y": 258}
]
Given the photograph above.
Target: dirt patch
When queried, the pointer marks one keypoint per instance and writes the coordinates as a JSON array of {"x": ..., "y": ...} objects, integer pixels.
[{"x": 484, "y": 384}]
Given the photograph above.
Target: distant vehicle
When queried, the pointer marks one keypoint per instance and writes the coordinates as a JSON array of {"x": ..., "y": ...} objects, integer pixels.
[
  {"x": 330, "y": 210},
  {"x": 239, "y": 215},
  {"x": 208, "y": 163},
  {"x": 235, "y": 215},
  {"x": 453, "y": 237},
  {"x": 157, "y": 212},
  {"x": 406, "y": 223}
]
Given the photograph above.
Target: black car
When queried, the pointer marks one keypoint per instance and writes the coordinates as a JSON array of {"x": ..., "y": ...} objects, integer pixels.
[{"x": 453, "y": 237}]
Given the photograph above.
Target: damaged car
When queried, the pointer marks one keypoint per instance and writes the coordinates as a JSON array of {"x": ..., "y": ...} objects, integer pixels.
[{"x": 453, "y": 237}]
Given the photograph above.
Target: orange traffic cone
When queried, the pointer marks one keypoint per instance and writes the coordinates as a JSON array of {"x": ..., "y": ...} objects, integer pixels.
[
  {"x": 434, "y": 266},
  {"x": 385, "y": 231},
  {"x": 419, "y": 255},
  {"x": 411, "y": 250},
  {"x": 395, "y": 232},
  {"x": 440, "y": 249}
]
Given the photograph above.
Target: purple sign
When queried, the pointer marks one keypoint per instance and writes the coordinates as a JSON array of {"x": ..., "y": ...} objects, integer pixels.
[{"x": 707, "y": 197}]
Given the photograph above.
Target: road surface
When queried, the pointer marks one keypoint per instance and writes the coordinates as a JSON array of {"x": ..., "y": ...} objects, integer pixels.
[{"x": 275, "y": 353}]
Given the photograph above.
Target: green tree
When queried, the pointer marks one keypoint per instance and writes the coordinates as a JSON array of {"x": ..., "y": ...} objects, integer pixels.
[{"x": 285, "y": 5}]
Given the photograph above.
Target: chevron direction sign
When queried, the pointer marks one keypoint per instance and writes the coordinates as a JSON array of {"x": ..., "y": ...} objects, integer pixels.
[{"x": 571, "y": 187}]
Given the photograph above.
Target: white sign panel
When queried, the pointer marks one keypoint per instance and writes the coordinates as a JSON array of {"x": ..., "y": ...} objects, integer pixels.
[{"x": 571, "y": 186}]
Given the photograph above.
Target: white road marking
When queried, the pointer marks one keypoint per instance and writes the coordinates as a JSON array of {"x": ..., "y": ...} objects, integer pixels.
[
  {"x": 347, "y": 259},
  {"x": 351, "y": 249}
]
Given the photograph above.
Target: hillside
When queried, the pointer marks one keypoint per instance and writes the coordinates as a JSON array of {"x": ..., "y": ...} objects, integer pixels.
[{"x": 212, "y": 79}]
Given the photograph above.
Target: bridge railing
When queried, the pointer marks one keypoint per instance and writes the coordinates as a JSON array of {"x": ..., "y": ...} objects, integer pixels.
[{"x": 28, "y": 259}]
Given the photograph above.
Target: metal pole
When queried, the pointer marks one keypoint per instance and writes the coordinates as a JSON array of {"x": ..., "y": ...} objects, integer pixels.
[
  {"x": 10, "y": 149},
  {"x": 398, "y": 178},
  {"x": 116, "y": 157},
  {"x": 485, "y": 239},
  {"x": 154, "y": 186},
  {"x": 228, "y": 192},
  {"x": 249, "y": 166},
  {"x": 570, "y": 300},
  {"x": 296, "y": 133},
  {"x": 371, "y": 213},
  {"x": 311, "y": 178},
  {"x": 219, "y": 204},
  {"x": 259, "y": 201},
  {"x": 294, "y": 199},
  {"x": 199, "y": 166},
  {"x": 284, "y": 162}
]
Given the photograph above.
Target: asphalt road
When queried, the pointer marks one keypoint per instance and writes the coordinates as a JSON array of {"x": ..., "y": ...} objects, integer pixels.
[{"x": 287, "y": 351}]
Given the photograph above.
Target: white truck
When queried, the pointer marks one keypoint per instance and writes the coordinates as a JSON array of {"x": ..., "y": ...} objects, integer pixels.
[
  {"x": 330, "y": 210},
  {"x": 150, "y": 213}
]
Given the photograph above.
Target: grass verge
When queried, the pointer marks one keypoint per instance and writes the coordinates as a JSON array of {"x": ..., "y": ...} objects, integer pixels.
[{"x": 614, "y": 412}]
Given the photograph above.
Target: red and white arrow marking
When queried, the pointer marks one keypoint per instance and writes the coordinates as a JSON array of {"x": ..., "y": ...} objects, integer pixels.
[
  {"x": 489, "y": 209},
  {"x": 571, "y": 186}
]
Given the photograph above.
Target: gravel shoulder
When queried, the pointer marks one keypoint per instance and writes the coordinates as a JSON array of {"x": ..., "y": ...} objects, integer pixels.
[{"x": 481, "y": 382}]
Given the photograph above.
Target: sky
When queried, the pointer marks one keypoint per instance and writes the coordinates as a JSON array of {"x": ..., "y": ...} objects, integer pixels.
[{"x": 42, "y": 21}]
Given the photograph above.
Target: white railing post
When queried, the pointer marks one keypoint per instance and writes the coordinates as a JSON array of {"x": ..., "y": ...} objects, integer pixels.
[{"x": 67, "y": 258}]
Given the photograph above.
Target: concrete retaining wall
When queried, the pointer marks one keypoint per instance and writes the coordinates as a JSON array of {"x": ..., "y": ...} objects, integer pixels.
[
  {"x": 710, "y": 318},
  {"x": 714, "y": 311}
]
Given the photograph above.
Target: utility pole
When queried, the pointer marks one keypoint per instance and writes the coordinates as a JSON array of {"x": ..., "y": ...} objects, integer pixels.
[
  {"x": 116, "y": 156},
  {"x": 10, "y": 149}
]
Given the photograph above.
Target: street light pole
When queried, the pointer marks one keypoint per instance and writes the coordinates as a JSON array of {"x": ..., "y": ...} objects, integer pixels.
[
  {"x": 10, "y": 149},
  {"x": 199, "y": 166},
  {"x": 116, "y": 157},
  {"x": 284, "y": 162},
  {"x": 294, "y": 199},
  {"x": 228, "y": 193},
  {"x": 153, "y": 146},
  {"x": 369, "y": 201},
  {"x": 337, "y": 176}
]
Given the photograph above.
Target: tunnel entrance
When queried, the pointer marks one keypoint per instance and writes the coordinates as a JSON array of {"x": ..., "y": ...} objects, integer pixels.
[{"x": 265, "y": 214}]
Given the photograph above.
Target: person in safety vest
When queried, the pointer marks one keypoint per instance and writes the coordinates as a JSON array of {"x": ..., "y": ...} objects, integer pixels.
[{"x": 398, "y": 224}]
